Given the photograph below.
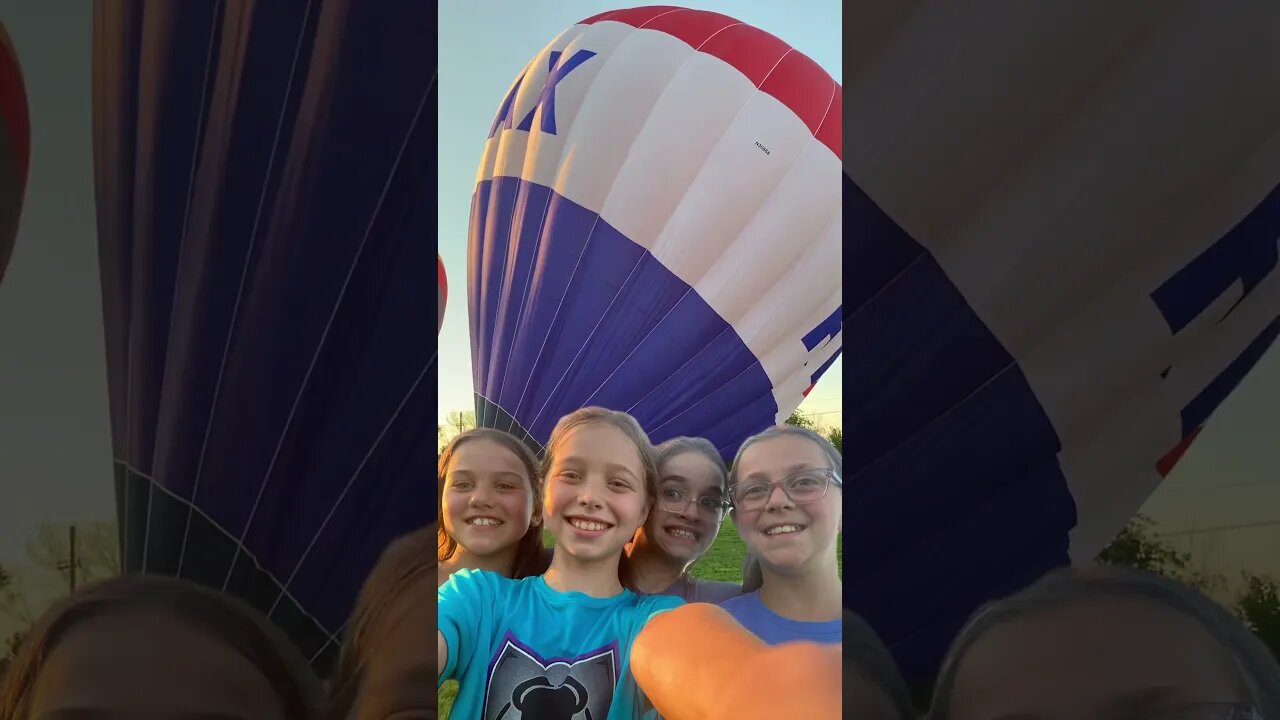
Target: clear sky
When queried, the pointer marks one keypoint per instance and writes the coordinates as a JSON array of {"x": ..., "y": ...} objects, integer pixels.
[{"x": 483, "y": 47}]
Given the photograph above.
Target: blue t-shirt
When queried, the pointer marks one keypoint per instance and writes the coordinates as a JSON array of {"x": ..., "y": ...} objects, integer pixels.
[
  {"x": 772, "y": 628},
  {"x": 520, "y": 648}
]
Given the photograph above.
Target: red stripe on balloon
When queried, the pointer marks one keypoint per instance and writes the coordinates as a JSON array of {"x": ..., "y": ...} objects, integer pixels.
[
  {"x": 772, "y": 65},
  {"x": 13, "y": 105},
  {"x": 1171, "y": 458}
]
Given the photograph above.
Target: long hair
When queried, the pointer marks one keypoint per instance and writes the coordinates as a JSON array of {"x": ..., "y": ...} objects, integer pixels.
[
  {"x": 865, "y": 654},
  {"x": 752, "y": 577},
  {"x": 217, "y": 615},
  {"x": 530, "y": 558},
  {"x": 629, "y": 427},
  {"x": 1259, "y": 671},
  {"x": 405, "y": 562}
]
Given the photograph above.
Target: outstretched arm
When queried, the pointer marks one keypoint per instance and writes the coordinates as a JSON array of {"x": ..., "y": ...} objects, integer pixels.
[
  {"x": 697, "y": 663},
  {"x": 442, "y": 653}
]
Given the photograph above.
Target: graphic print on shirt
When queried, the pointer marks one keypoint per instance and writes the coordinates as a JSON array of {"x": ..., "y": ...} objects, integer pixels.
[{"x": 525, "y": 686}]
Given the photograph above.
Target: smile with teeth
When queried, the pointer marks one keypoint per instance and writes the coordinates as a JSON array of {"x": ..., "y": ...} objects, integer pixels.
[
  {"x": 591, "y": 525},
  {"x": 485, "y": 522},
  {"x": 681, "y": 533},
  {"x": 783, "y": 529}
]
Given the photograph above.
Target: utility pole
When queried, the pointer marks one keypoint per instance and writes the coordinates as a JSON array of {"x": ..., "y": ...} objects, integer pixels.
[{"x": 72, "y": 563}]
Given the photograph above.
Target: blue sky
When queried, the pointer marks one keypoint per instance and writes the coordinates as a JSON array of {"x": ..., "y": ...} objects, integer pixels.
[{"x": 483, "y": 46}]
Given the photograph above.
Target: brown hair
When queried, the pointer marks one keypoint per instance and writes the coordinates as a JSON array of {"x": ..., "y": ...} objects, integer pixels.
[
  {"x": 629, "y": 427},
  {"x": 702, "y": 446},
  {"x": 406, "y": 561},
  {"x": 530, "y": 557},
  {"x": 219, "y": 616}
]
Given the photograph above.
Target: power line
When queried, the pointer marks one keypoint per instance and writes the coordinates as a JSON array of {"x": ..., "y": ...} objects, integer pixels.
[{"x": 1216, "y": 528}]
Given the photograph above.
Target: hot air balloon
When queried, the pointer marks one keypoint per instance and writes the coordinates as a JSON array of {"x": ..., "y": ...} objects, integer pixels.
[
  {"x": 442, "y": 293},
  {"x": 15, "y": 146},
  {"x": 656, "y": 229},
  {"x": 1064, "y": 222},
  {"x": 264, "y": 174}
]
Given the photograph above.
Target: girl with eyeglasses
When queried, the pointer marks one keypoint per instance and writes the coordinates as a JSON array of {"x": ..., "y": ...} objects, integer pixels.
[
  {"x": 692, "y": 502},
  {"x": 1107, "y": 643},
  {"x": 786, "y": 498}
]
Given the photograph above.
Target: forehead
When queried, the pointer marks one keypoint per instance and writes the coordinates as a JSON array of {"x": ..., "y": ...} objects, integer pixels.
[
  {"x": 485, "y": 455},
  {"x": 779, "y": 454},
  {"x": 1087, "y": 656},
  {"x": 99, "y": 664},
  {"x": 598, "y": 442},
  {"x": 694, "y": 468}
]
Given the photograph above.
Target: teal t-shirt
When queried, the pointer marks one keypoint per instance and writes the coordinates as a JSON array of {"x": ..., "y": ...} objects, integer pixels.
[{"x": 520, "y": 649}]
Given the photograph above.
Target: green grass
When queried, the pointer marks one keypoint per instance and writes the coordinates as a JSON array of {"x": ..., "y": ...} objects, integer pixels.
[{"x": 723, "y": 561}]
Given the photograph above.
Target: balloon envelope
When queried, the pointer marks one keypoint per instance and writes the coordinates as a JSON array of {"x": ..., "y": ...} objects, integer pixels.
[
  {"x": 1065, "y": 260},
  {"x": 656, "y": 228},
  {"x": 265, "y": 174},
  {"x": 443, "y": 293},
  {"x": 15, "y": 146}
]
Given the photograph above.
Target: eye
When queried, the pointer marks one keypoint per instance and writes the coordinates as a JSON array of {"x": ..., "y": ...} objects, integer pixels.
[
  {"x": 619, "y": 484},
  {"x": 673, "y": 493},
  {"x": 569, "y": 475},
  {"x": 460, "y": 485},
  {"x": 507, "y": 486}
]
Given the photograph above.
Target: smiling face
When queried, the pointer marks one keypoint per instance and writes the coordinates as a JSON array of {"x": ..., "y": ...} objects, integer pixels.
[
  {"x": 686, "y": 535},
  {"x": 595, "y": 498},
  {"x": 1100, "y": 657},
  {"x": 488, "y": 498},
  {"x": 783, "y": 535}
]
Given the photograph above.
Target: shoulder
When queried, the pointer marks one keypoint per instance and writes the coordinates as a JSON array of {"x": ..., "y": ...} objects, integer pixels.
[
  {"x": 739, "y": 601},
  {"x": 650, "y": 605},
  {"x": 715, "y": 591},
  {"x": 476, "y": 582}
]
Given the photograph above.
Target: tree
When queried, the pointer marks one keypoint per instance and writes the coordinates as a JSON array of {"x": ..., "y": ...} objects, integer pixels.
[
  {"x": 836, "y": 436},
  {"x": 799, "y": 419},
  {"x": 15, "y": 639},
  {"x": 1139, "y": 546},
  {"x": 456, "y": 423},
  {"x": 97, "y": 550},
  {"x": 1259, "y": 607}
]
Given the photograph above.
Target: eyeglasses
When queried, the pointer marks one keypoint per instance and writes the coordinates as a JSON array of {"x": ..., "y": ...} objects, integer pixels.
[
  {"x": 675, "y": 500},
  {"x": 802, "y": 487}
]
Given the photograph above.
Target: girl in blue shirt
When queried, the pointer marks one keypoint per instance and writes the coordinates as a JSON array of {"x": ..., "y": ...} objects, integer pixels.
[
  {"x": 785, "y": 487},
  {"x": 558, "y": 644}
]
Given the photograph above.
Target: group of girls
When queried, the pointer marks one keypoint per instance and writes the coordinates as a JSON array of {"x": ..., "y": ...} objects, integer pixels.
[
  {"x": 155, "y": 648},
  {"x": 529, "y": 632}
]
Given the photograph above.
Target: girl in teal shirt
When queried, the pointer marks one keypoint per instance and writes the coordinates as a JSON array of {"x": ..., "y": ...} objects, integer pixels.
[{"x": 558, "y": 644}]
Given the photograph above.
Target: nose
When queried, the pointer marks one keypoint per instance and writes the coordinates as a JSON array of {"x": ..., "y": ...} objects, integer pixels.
[
  {"x": 778, "y": 499},
  {"x": 480, "y": 497},
  {"x": 587, "y": 498}
]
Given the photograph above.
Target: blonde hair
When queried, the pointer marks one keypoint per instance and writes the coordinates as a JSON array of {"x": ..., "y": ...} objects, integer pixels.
[
  {"x": 629, "y": 427},
  {"x": 752, "y": 576},
  {"x": 1259, "y": 671}
]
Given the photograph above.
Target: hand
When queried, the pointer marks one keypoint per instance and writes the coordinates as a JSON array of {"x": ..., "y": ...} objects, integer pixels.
[{"x": 697, "y": 663}]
